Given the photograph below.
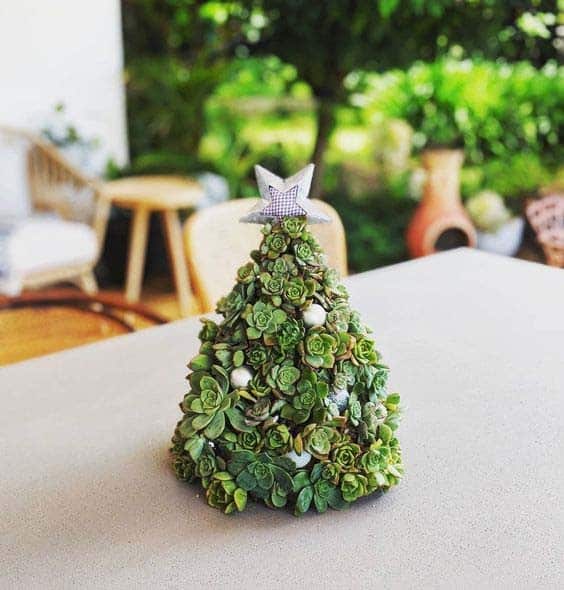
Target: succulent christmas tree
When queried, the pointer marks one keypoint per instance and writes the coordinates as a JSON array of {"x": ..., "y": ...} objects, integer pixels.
[{"x": 287, "y": 402}]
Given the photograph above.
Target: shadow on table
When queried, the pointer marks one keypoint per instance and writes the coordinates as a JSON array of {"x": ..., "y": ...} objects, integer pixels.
[{"x": 134, "y": 498}]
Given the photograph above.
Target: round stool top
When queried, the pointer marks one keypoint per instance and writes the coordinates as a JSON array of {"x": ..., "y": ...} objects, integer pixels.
[{"x": 154, "y": 192}]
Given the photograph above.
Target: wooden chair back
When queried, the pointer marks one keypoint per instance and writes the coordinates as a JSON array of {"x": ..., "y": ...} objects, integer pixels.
[
  {"x": 39, "y": 323},
  {"x": 217, "y": 245}
]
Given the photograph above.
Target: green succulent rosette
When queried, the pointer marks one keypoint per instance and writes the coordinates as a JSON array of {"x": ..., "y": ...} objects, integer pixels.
[{"x": 313, "y": 426}]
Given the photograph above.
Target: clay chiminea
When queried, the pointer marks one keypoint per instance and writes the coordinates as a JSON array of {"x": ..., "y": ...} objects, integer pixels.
[{"x": 440, "y": 222}]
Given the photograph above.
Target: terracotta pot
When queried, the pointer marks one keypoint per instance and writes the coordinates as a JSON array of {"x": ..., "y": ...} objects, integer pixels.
[{"x": 440, "y": 222}]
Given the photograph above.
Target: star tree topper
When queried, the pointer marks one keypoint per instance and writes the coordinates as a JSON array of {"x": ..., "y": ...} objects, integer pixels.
[{"x": 284, "y": 197}]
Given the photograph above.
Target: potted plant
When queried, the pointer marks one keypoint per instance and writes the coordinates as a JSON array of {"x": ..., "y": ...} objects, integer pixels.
[
  {"x": 440, "y": 222},
  {"x": 498, "y": 230},
  {"x": 423, "y": 96}
]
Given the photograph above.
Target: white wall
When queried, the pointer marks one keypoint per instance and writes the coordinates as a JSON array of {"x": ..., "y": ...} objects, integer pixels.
[{"x": 66, "y": 51}]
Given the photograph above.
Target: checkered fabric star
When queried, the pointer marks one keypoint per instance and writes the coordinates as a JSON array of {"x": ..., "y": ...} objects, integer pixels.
[
  {"x": 283, "y": 204},
  {"x": 283, "y": 197}
]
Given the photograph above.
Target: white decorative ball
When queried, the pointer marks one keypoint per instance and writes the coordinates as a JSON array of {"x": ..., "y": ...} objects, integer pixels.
[
  {"x": 300, "y": 460},
  {"x": 240, "y": 377},
  {"x": 314, "y": 315}
]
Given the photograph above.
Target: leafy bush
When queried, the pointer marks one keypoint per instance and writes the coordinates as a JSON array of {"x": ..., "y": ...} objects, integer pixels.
[
  {"x": 375, "y": 226},
  {"x": 513, "y": 177},
  {"x": 200, "y": 97},
  {"x": 493, "y": 110},
  {"x": 176, "y": 53},
  {"x": 254, "y": 116},
  {"x": 166, "y": 101}
]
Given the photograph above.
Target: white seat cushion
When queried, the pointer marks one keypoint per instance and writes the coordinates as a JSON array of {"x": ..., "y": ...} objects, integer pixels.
[{"x": 47, "y": 243}]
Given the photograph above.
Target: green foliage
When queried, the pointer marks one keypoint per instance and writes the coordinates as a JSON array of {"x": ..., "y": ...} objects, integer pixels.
[
  {"x": 519, "y": 175},
  {"x": 240, "y": 442},
  {"x": 262, "y": 318},
  {"x": 267, "y": 477},
  {"x": 283, "y": 378},
  {"x": 354, "y": 486},
  {"x": 357, "y": 35},
  {"x": 247, "y": 121},
  {"x": 317, "y": 488},
  {"x": 224, "y": 86},
  {"x": 351, "y": 36},
  {"x": 375, "y": 227},
  {"x": 176, "y": 54},
  {"x": 320, "y": 349},
  {"x": 208, "y": 400},
  {"x": 223, "y": 493},
  {"x": 167, "y": 98},
  {"x": 492, "y": 110}
]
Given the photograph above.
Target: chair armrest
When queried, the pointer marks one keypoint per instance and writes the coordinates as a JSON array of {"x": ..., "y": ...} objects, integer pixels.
[{"x": 48, "y": 170}]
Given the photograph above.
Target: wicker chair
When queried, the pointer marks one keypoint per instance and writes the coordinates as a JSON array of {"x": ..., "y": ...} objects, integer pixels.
[
  {"x": 35, "y": 324},
  {"x": 217, "y": 244},
  {"x": 546, "y": 217},
  {"x": 59, "y": 248}
]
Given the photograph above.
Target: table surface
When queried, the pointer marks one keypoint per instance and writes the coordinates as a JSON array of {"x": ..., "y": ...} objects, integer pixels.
[
  {"x": 154, "y": 192},
  {"x": 475, "y": 344}
]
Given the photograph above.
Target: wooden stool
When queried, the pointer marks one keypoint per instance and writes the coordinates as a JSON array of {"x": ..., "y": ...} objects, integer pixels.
[{"x": 165, "y": 195}]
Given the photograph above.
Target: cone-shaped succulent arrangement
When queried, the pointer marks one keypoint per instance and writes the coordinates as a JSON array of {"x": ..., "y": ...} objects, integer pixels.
[{"x": 287, "y": 401}]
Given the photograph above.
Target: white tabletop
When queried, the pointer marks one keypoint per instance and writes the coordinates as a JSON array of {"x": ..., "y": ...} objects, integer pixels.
[{"x": 476, "y": 347}]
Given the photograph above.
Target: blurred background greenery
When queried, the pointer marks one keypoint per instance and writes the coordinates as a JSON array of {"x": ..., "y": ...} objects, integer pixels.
[{"x": 359, "y": 87}]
